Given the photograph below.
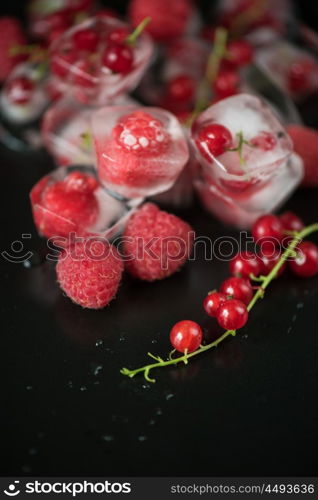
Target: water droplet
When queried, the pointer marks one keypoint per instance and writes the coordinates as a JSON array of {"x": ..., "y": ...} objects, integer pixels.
[
  {"x": 152, "y": 422},
  {"x": 29, "y": 387},
  {"x": 108, "y": 438},
  {"x": 33, "y": 451},
  {"x": 83, "y": 388},
  {"x": 300, "y": 305},
  {"x": 99, "y": 343},
  {"x": 169, "y": 396},
  {"x": 97, "y": 369},
  {"x": 141, "y": 439},
  {"x": 159, "y": 412},
  {"x": 154, "y": 341}
]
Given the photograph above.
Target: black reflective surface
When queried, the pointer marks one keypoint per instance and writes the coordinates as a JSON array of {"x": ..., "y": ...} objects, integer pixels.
[{"x": 248, "y": 408}]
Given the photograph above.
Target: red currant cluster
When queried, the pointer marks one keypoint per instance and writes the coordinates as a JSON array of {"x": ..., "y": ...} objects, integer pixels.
[{"x": 231, "y": 304}]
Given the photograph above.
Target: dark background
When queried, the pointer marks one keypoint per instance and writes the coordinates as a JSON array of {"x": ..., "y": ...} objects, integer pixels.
[{"x": 248, "y": 408}]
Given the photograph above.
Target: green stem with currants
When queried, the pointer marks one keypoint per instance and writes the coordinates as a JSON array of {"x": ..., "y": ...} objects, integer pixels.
[{"x": 264, "y": 280}]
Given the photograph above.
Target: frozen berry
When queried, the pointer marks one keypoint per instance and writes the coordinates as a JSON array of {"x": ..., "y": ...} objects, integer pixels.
[
  {"x": 240, "y": 52},
  {"x": 213, "y": 139},
  {"x": 61, "y": 63},
  {"x": 264, "y": 141},
  {"x": 19, "y": 90},
  {"x": 141, "y": 133},
  {"x": 226, "y": 83},
  {"x": 11, "y": 36},
  {"x": 212, "y": 302},
  {"x": 232, "y": 315},
  {"x": 62, "y": 207},
  {"x": 118, "y": 35},
  {"x": 168, "y": 18},
  {"x": 181, "y": 88},
  {"x": 306, "y": 262},
  {"x": 90, "y": 272},
  {"x": 186, "y": 336},
  {"x": 267, "y": 231},
  {"x": 119, "y": 58},
  {"x": 244, "y": 264},
  {"x": 299, "y": 74},
  {"x": 238, "y": 288},
  {"x": 85, "y": 39},
  {"x": 156, "y": 244}
]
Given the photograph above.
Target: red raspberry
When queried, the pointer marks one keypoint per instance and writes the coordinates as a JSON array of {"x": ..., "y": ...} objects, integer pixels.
[
  {"x": 11, "y": 35},
  {"x": 89, "y": 272},
  {"x": 65, "y": 206},
  {"x": 169, "y": 19},
  {"x": 141, "y": 133},
  {"x": 156, "y": 244},
  {"x": 306, "y": 145}
]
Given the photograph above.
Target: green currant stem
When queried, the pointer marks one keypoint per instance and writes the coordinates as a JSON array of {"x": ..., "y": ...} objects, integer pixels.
[
  {"x": 266, "y": 280},
  {"x": 132, "y": 38},
  {"x": 243, "y": 20},
  {"x": 212, "y": 69},
  {"x": 31, "y": 50}
]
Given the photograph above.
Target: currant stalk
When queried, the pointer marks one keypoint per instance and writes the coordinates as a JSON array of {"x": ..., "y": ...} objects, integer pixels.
[{"x": 264, "y": 283}]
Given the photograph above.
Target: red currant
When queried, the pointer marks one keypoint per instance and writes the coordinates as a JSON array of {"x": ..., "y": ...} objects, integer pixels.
[
  {"x": 291, "y": 222},
  {"x": 298, "y": 77},
  {"x": 186, "y": 335},
  {"x": 226, "y": 83},
  {"x": 181, "y": 88},
  {"x": 244, "y": 264},
  {"x": 238, "y": 288},
  {"x": 84, "y": 73},
  {"x": 232, "y": 315},
  {"x": 240, "y": 52},
  {"x": 269, "y": 258},
  {"x": 267, "y": 231},
  {"x": 85, "y": 39},
  {"x": 213, "y": 139},
  {"x": 61, "y": 63},
  {"x": 118, "y": 35},
  {"x": 119, "y": 58},
  {"x": 264, "y": 141},
  {"x": 19, "y": 90},
  {"x": 306, "y": 262},
  {"x": 57, "y": 20},
  {"x": 212, "y": 302}
]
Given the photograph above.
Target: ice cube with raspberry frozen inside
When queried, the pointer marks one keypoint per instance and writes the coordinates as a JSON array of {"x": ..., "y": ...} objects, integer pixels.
[
  {"x": 96, "y": 61},
  {"x": 139, "y": 151}
]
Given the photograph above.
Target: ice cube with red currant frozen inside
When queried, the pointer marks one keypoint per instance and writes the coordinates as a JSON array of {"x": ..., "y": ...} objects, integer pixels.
[
  {"x": 24, "y": 96},
  {"x": 240, "y": 143},
  {"x": 293, "y": 69},
  {"x": 98, "y": 60},
  {"x": 139, "y": 151}
]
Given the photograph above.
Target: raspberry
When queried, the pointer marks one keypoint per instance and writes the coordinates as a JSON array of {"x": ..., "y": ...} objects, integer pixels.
[
  {"x": 156, "y": 244},
  {"x": 169, "y": 19},
  {"x": 65, "y": 206},
  {"x": 306, "y": 145},
  {"x": 141, "y": 133},
  {"x": 89, "y": 272},
  {"x": 11, "y": 35}
]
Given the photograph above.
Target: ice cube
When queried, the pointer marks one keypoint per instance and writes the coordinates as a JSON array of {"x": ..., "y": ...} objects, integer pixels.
[
  {"x": 259, "y": 144},
  {"x": 70, "y": 202},
  {"x": 293, "y": 69},
  {"x": 85, "y": 75},
  {"x": 139, "y": 151}
]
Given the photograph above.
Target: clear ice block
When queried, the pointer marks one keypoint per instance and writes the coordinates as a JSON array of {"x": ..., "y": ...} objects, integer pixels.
[
  {"x": 23, "y": 99},
  {"x": 61, "y": 206},
  {"x": 83, "y": 73},
  {"x": 139, "y": 151},
  {"x": 293, "y": 69},
  {"x": 66, "y": 131},
  {"x": 254, "y": 178},
  {"x": 244, "y": 211}
]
